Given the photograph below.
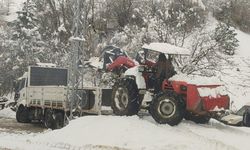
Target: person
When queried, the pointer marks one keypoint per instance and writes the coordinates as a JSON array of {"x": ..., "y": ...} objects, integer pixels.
[
  {"x": 164, "y": 70},
  {"x": 164, "y": 67}
]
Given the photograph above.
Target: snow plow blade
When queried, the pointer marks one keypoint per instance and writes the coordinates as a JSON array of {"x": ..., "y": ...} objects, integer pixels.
[{"x": 205, "y": 99}]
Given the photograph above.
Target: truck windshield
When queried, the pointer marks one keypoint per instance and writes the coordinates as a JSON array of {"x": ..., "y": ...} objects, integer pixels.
[{"x": 20, "y": 85}]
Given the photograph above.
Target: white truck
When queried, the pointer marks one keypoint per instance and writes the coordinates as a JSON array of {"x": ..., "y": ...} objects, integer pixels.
[{"x": 42, "y": 95}]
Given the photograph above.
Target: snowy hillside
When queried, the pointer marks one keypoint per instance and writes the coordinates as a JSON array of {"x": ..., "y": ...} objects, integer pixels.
[
  {"x": 14, "y": 7},
  {"x": 237, "y": 78}
]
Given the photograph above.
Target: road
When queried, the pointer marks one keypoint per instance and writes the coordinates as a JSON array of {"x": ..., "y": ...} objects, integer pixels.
[{"x": 10, "y": 125}]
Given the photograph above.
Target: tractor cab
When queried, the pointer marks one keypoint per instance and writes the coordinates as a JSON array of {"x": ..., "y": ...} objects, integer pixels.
[{"x": 156, "y": 58}]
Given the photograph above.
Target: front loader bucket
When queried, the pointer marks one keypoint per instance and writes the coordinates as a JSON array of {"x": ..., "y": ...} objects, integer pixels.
[{"x": 207, "y": 98}]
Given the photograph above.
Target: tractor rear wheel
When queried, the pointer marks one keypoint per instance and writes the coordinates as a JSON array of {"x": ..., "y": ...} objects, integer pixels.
[
  {"x": 167, "y": 108},
  {"x": 197, "y": 119},
  {"x": 125, "y": 98},
  {"x": 22, "y": 114}
]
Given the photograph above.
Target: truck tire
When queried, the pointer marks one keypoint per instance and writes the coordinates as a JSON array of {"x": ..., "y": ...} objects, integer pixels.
[
  {"x": 125, "y": 98},
  {"x": 49, "y": 119},
  {"x": 22, "y": 114},
  {"x": 197, "y": 119},
  {"x": 167, "y": 108},
  {"x": 59, "y": 120}
]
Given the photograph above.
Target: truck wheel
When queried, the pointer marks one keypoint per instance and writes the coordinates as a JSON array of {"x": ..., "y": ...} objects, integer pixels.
[
  {"x": 167, "y": 108},
  {"x": 197, "y": 119},
  {"x": 49, "y": 119},
  {"x": 59, "y": 120},
  {"x": 22, "y": 114},
  {"x": 125, "y": 98}
]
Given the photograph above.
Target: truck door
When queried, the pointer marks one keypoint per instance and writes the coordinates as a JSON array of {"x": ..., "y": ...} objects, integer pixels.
[{"x": 20, "y": 90}]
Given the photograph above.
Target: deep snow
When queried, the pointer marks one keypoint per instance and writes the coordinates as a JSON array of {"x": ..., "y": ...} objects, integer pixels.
[{"x": 131, "y": 133}]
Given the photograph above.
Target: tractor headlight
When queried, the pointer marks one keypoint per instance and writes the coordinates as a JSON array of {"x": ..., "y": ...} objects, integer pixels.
[{"x": 183, "y": 88}]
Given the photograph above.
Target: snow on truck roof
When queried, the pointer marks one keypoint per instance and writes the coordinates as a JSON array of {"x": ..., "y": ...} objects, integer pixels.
[{"x": 166, "y": 48}]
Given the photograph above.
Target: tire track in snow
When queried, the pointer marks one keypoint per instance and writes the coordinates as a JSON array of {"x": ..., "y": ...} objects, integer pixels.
[{"x": 206, "y": 142}]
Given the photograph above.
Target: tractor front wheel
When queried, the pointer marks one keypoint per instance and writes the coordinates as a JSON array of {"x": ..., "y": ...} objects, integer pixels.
[
  {"x": 126, "y": 100},
  {"x": 167, "y": 108}
]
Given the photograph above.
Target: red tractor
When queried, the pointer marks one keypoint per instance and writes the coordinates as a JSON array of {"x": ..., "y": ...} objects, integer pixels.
[{"x": 172, "y": 100}]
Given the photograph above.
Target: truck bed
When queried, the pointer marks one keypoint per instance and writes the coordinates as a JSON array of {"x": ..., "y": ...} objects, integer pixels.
[{"x": 47, "y": 97}]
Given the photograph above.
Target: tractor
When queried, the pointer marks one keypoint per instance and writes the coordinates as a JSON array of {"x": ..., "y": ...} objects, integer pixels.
[{"x": 171, "y": 100}]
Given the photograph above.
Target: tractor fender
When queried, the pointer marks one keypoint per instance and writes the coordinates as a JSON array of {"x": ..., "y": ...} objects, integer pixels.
[{"x": 137, "y": 75}]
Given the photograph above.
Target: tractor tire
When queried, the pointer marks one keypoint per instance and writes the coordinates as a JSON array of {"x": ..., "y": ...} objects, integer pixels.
[
  {"x": 22, "y": 114},
  {"x": 167, "y": 108},
  {"x": 197, "y": 119},
  {"x": 126, "y": 100}
]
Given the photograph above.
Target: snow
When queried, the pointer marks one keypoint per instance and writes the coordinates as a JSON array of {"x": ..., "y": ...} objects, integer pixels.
[
  {"x": 95, "y": 62},
  {"x": 7, "y": 113},
  {"x": 199, "y": 3},
  {"x": 212, "y": 92},
  {"x": 62, "y": 28},
  {"x": 77, "y": 39},
  {"x": 15, "y": 6},
  {"x": 167, "y": 48},
  {"x": 140, "y": 81},
  {"x": 243, "y": 38},
  {"x": 46, "y": 64},
  {"x": 114, "y": 132},
  {"x": 195, "y": 79}
]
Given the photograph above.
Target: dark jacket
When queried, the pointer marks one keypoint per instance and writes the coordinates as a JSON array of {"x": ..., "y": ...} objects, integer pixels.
[{"x": 164, "y": 70}]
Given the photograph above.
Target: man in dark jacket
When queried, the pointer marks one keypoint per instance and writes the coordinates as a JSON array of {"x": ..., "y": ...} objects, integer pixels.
[
  {"x": 164, "y": 70},
  {"x": 164, "y": 67}
]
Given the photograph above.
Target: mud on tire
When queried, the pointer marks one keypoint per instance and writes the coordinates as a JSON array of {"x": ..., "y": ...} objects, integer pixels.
[
  {"x": 167, "y": 108},
  {"x": 125, "y": 98}
]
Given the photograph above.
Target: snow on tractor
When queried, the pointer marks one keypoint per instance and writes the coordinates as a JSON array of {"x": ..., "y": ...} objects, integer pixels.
[{"x": 172, "y": 100}]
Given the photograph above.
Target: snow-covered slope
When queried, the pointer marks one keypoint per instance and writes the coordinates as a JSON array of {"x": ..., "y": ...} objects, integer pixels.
[
  {"x": 14, "y": 7},
  {"x": 237, "y": 76}
]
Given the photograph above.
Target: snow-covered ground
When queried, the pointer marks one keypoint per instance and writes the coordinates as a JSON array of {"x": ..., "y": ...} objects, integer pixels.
[
  {"x": 113, "y": 132},
  {"x": 14, "y": 7}
]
